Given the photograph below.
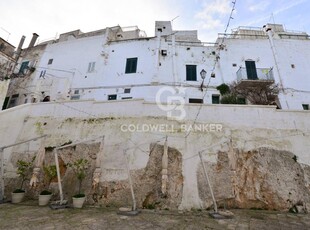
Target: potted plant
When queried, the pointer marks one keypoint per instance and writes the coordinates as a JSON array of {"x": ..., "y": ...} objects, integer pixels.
[
  {"x": 50, "y": 173},
  {"x": 23, "y": 170},
  {"x": 79, "y": 168}
]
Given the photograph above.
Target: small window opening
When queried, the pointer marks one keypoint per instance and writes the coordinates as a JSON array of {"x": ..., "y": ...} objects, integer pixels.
[
  {"x": 112, "y": 97},
  {"x": 127, "y": 90},
  {"x": 195, "y": 100},
  {"x": 305, "y": 106},
  {"x": 215, "y": 99}
]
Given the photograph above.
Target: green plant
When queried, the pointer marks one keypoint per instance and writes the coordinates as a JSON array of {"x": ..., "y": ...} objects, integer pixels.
[
  {"x": 18, "y": 190},
  {"x": 229, "y": 99},
  {"x": 223, "y": 88},
  {"x": 50, "y": 173},
  {"x": 23, "y": 170},
  {"x": 79, "y": 195},
  {"x": 46, "y": 192},
  {"x": 79, "y": 168}
]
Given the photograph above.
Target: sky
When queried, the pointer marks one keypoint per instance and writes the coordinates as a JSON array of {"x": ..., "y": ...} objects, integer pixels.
[{"x": 208, "y": 17}]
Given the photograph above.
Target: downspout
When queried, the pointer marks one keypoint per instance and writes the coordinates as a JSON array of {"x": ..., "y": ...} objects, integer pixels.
[
  {"x": 2, "y": 174},
  {"x": 174, "y": 67},
  {"x": 156, "y": 60},
  {"x": 268, "y": 30}
]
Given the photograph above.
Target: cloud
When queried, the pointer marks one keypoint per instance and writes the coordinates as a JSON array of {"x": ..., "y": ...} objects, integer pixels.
[
  {"x": 285, "y": 7},
  {"x": 212, "y": 18},
  {"x": 289, "y": 6},
  {"x": 259, "y": 6},
  {"x": 212, "y": 14}
]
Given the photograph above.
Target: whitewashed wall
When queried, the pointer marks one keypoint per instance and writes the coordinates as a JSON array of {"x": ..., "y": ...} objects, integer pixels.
[
  {"x": 69, "y": 70},
  {"x": 289, "y": 52}
]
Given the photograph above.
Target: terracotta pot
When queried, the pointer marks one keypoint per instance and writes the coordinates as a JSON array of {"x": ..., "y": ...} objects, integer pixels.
[
  {"x": 78, "y": 202},
  {"x": 17, "y": 197},
  {"x": 44, "y": 199}
]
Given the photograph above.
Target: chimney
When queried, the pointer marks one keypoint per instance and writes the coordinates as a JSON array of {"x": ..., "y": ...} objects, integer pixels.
[
  {"x": 33, "y": 40},
  {"x": 20, "y": 46}
]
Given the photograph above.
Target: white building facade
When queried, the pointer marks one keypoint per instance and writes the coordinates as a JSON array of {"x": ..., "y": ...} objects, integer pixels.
[
  {"x": 122, "y": 63},
  {"x": 110, "y": 82}
]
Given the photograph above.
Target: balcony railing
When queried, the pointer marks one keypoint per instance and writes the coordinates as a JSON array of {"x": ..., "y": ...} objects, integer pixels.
[{"x": 262, "y": 74}]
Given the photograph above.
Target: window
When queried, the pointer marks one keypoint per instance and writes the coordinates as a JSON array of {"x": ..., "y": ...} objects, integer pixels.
[
  {"x": 24, "y": 67},
  {"x": 305, "y": 106},
  {"x": 112, "y": 97},
  {"x": 50, "y": 61},
  {"x": 127, "y": 90},
  {"x": 195, "y": 100},
  {"x": 13, "y": 100},
  {"x": 191, "y": 73},
  {"x": 91, "y": 67},
  {"x": 131, "y": 65},
  {"x": 215, "y": 99},
  {"x": 75, "y": 97},
  {"x": 241, "y": 100},
  {"x": 126, "y": 98}
]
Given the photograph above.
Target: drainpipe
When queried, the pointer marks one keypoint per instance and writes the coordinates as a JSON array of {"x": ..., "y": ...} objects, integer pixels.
[
  {"x": 268, "y": 30},
  {"x": 2, "y": 175},
  {"x": 156, "y": 61},
  {"x": 174, "y": 67}
]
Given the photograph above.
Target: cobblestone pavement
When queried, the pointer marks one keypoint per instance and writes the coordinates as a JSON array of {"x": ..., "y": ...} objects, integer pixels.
[{"x": 28, "y": 215}]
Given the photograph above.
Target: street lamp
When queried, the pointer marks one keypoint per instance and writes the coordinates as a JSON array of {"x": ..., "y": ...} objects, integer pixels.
[{"x": 203, "y": 74}]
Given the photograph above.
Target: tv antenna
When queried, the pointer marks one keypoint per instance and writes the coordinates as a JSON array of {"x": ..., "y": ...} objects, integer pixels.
[{"x": 7, "y": 33}]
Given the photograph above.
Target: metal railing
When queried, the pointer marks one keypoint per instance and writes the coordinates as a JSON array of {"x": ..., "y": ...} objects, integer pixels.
[{"x": 262, "y": 74}]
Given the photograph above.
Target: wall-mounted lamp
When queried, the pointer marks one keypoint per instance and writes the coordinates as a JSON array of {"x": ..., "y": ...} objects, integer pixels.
[{"x": 203, "y": 74}]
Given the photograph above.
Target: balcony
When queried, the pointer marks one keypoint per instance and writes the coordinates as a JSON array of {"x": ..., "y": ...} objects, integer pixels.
[{"x": 247, "y": 77}]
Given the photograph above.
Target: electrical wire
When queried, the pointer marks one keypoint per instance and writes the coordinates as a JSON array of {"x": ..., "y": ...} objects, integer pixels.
[
  {"x": 230, "y": 18},
  {"x": 213, "y": 68}
]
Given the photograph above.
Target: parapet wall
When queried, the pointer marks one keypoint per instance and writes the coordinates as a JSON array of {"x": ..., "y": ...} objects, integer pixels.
[{"x": 256, "y": 156}]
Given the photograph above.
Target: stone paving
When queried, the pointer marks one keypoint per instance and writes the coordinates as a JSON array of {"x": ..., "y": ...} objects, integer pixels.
[{"x": 28, "y": 215}]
